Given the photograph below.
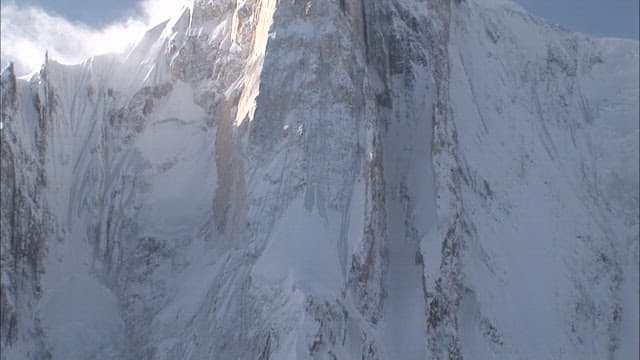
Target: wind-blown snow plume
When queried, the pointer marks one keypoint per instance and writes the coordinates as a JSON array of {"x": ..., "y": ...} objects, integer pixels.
[{"x": 27, "y": 32}]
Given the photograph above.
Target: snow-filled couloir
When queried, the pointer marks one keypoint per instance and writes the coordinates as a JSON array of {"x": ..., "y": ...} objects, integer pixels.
[{"x": 335, "y": 179}]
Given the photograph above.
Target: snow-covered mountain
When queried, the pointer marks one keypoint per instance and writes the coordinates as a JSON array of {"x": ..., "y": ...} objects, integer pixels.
[{"x": 326, "y": 179}]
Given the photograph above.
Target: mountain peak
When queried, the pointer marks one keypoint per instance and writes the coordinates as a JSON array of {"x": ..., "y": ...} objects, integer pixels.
[{"x": 325, "y": 180}]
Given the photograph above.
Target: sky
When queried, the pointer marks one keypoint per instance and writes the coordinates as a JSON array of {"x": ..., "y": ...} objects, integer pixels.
[
  {"x": 611, "y": 18},
  {"x": 93, "y": 12},
  {"x": 72, "y": 30}
]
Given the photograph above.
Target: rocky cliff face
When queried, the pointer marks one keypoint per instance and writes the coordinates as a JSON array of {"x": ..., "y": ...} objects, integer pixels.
[{"x": 337, "y": 179}]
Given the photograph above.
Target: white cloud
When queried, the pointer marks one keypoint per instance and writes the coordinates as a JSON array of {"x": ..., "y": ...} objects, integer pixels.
[{"x": 27, "y": 32}]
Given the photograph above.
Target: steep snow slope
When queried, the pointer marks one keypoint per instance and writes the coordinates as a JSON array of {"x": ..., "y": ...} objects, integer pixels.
[
  {"x": 548, "y": 145},
  {"x": 377, "y": 179}
]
